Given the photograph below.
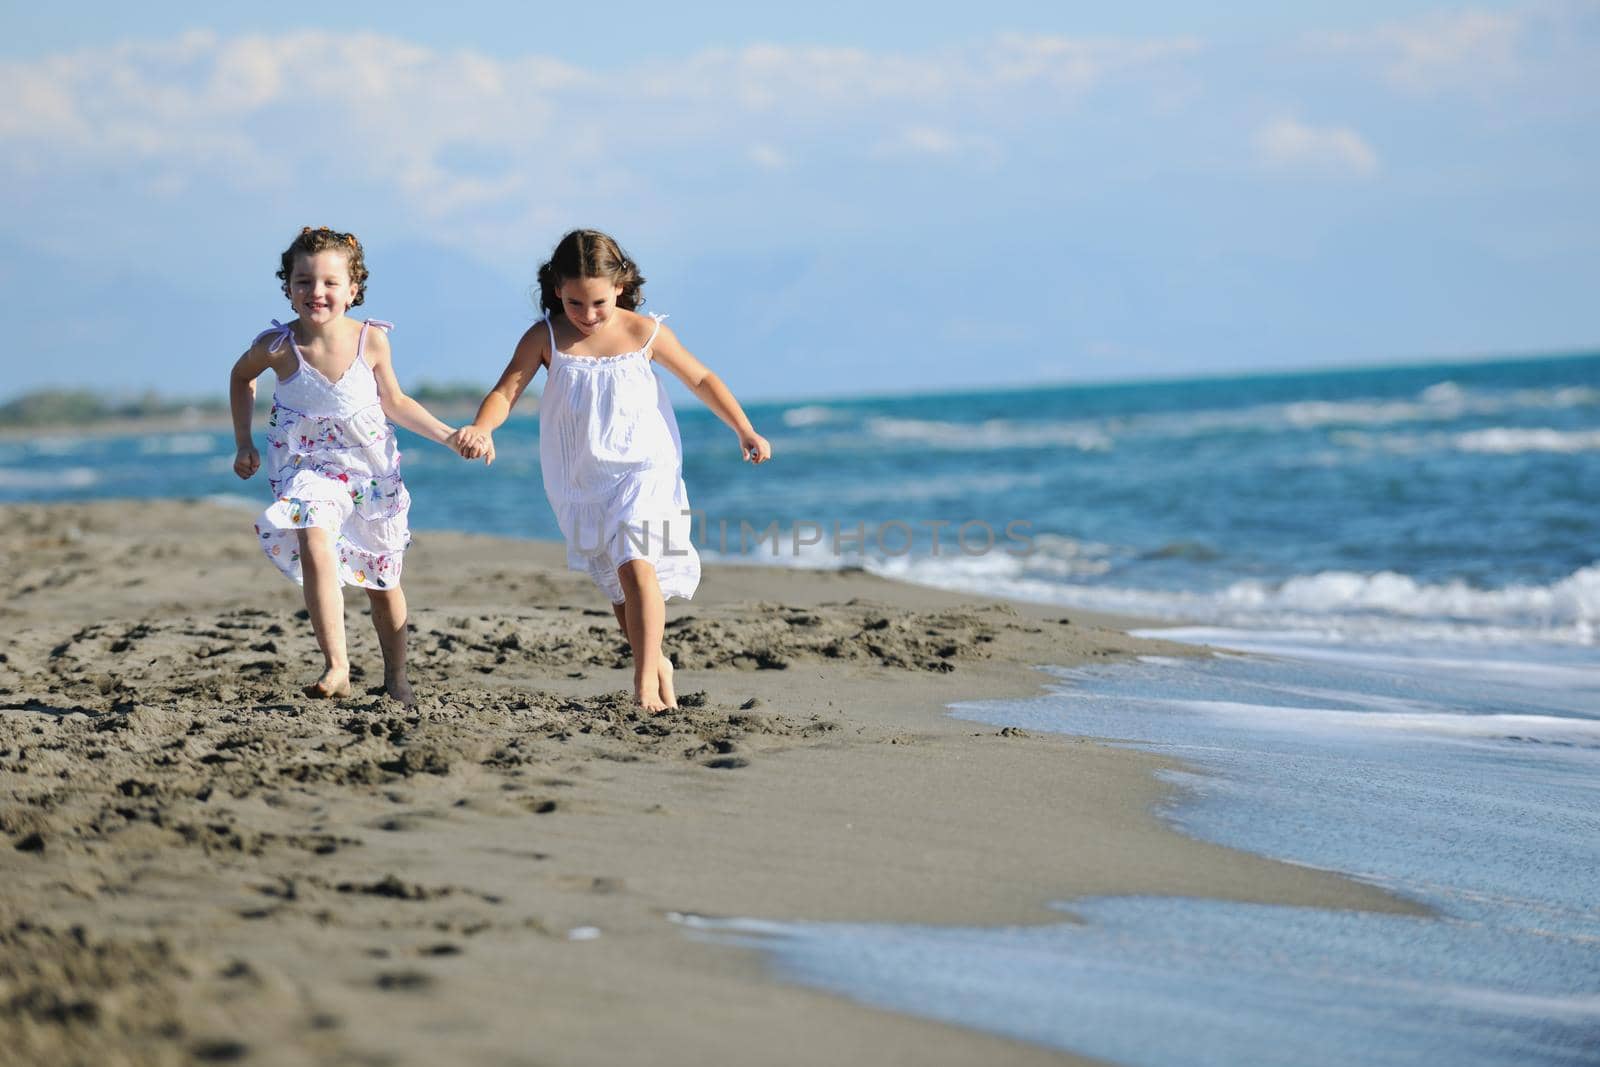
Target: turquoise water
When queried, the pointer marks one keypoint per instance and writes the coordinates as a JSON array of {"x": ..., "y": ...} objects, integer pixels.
[{"x": 1408, "y": 563}]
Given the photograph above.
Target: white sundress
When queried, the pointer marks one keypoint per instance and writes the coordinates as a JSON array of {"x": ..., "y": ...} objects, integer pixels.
[
  {"x": 333, "y": 463},
  {"x": 613, "y": 468}
]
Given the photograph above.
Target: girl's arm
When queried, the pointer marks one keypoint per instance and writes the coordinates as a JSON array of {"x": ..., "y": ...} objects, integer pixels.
[
  {"x": 476, "y": 441},
  {"x": 397, "y": 407},
  {"x": 242, "y": 405},
  {"x": 671, "y": 354}
]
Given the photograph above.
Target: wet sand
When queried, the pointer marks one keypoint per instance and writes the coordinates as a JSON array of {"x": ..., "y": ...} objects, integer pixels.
[{"x": 202, "y": 865}]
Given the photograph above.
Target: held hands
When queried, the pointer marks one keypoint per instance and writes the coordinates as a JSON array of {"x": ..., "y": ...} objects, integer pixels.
[
  {"x": 754, "y": 448},
  {"x": 246, "y": 461},
  {"x": 473, "y": 443}
]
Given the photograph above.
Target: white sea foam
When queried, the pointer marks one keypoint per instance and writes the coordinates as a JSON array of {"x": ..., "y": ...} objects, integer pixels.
[
  {"x": 933, "y": 487},
  {"x": 792, "y": 548},
  {"x": 1338, "y": 604},
  {"x": 1315, "y": 413},
  {"x": 1441, "y": 402},
  {"x": 811, "y": 415},
  {"x": 61, "y": 446},
  {"x": 1574, "y": 599},
  {"x": 1512, "y": 441},
  {"x": 177, "y": 444},
  {"x": 1571, "y": 396},
  {"x": 1578, "y": 1007},
  {"x": 1498, "y": 440},
  {"x": 1354, "y": 421},
  {"x": 64, "y": 478},
  {"x": 1053, "y": 559},
  {"x": 959, "y": 564},
  {"x": 1533, "y": 728},
  {"x": 992, "y": 434},
  {"x": 1437, "y": 403},
  {"x": 1528, "y": 669}
]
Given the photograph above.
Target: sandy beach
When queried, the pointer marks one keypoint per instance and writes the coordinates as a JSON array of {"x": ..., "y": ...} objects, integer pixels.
[{"x": 205, "y": 866}]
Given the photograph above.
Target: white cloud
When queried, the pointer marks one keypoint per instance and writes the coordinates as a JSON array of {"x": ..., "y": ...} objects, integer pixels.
[
  {"x": 767, "y": 157},
  {"x": 1079, "y": 63},
  {"x": 1438, "y": 51},
  {"x": 1289, "y": 144},
  {"x": 38, "y": 104},
  {"x": 776, "y": 80},
  {"x": 922, "y": 141},
  {"x": 375, "y": 112}
]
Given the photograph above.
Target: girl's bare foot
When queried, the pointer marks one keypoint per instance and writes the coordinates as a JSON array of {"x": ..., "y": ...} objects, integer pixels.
[
  {"x": 649, "y": 696},
  {"x": 664, "y": 683},
  {"x": 334, "y": 684},
  {"x": 399, "y": 688}
]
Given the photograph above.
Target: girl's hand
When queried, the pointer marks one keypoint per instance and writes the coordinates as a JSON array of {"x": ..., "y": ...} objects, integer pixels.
[
  {"x": 473, "y": 443},
  {"x": 246, "y": 461},
  {"x": 754, "y": 447}
]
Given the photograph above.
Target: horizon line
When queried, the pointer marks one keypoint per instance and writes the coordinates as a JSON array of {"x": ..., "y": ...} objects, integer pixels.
[{"x": 1086, "y": 382}]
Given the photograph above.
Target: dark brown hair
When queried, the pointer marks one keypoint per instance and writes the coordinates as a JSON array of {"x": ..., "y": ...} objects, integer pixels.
[
  {"x": 322, "y": 239},
  {"x": 589, "y": 254}
]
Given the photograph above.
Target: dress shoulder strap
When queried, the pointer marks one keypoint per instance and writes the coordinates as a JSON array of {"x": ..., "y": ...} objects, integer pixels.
[
  {"x": 361, "y": 341},
  {"x": 548, "y": 325},
  {"x": 652, "y": 340},
  {"x": 279, "y": 332}
]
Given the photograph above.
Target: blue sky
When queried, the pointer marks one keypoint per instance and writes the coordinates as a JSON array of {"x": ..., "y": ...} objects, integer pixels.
[{"x": 839, "y": 199}]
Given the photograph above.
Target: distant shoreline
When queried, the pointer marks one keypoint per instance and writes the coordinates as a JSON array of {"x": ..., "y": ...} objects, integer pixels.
[
  {"x": 446, "y": 398},
  {"x": 198, "y": 422}
]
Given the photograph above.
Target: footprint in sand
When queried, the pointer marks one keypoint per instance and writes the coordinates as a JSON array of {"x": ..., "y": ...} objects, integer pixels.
[
  {"x": 445, "y": 949},
  {"x": 404, "y": 981},
  {"x": 224, "y": 1050}
]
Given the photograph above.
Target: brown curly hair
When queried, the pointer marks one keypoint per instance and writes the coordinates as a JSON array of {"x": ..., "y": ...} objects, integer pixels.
[
  {"x": 589, "y": 254},
  {"x": 311, "y": 241}
]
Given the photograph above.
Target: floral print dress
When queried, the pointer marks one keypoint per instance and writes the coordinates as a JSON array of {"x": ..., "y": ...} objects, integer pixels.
[{"x": 333, "y": 463}]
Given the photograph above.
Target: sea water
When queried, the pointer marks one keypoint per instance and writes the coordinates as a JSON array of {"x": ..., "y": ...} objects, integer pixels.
[
  {"x": 1442, "y": 501},
  {"x": 1464, "y": 779},
  {"x": 1406, "y": 563}
]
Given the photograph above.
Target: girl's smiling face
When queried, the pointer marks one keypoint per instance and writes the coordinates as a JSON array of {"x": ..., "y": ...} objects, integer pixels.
[
  {"x": 320, "y": 288},
  {"x": 588, "y": 303}
]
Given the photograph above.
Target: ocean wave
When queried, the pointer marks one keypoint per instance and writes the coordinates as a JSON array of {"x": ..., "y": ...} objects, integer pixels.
[
  {"x": 933, "y": 488},
  {"x": 64, "y": 445},
  {"x": 1548, "y": 729},
  {"x": 1053, "y": 557},
  {"x": 990, "y": 435},
  {"x": 810, "y": 415},
  {"x": 1313, "y": 414},
  {"x": 1569, "y": 396},
  {"x": 1576, "y": 597},
  {"x": 178, "y": 444},
  {"x": 1498, "y": 440},
  {"x": 1513, "y": 441},
  {"x": 1513, "y": 667},
  {"x": 63, "y": 478},
  {"x": 1441, "y": 402},
  {"x": 1336, "y": 604}
]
